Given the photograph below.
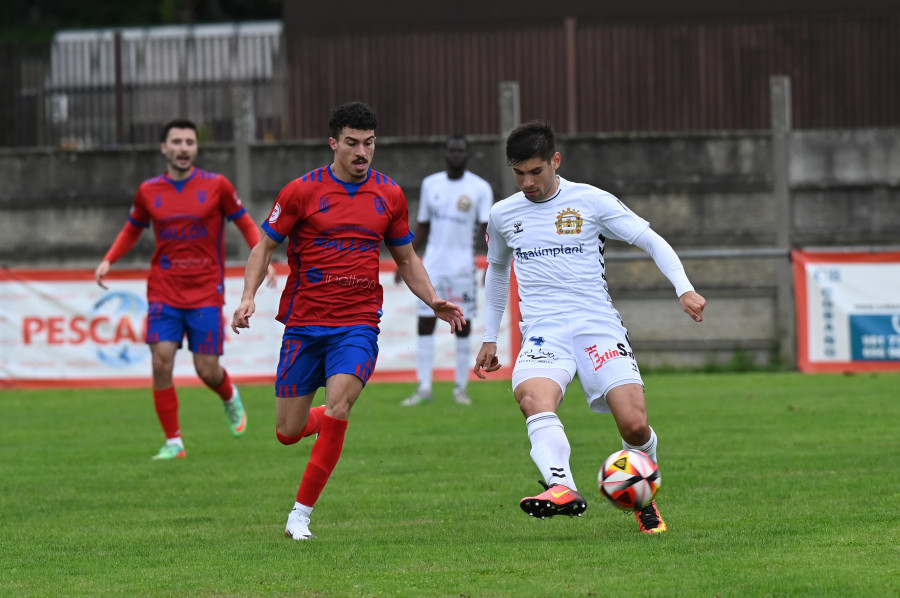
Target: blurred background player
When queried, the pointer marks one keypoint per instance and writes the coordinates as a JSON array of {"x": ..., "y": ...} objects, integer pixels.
[
  {"x": 334, "y": 219},
  {"x": 187, "y": 208},
  {"x": 557, "y": 230},
  {"x": 452, "y": 204}
]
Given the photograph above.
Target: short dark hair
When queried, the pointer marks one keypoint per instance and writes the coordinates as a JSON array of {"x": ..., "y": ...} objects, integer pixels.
[
  {"x": 453, "y": 138},
  {"x": 534, "y": 139},
  {"x": 352, "y": 115},
  {"x": 178, "y": 123}
]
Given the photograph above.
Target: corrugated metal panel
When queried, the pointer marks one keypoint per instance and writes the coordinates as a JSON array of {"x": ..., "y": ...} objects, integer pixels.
[
  {"x": 433, "y": 83},
  {"x": 629, "y": 75},
  {"x": 113, "y": 86}
]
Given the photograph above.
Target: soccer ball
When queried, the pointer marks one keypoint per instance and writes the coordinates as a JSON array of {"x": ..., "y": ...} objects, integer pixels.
[{"x": 629, "y": 479}]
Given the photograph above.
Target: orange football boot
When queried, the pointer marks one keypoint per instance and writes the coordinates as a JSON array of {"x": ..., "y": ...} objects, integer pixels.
[{"x": 555, "y": 500}]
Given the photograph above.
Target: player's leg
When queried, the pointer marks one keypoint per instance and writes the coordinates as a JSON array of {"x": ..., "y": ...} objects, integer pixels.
[
  {"x": 300, "y": 373},
  {"x": 464, "y": 293},
  {"x": 165, "y": 331},
  {"x": 206, "y": 333},
  {"x": 463, "y": 363},
  {"x": 628, "y": 406},
  {"x": 424, "y": 357},
  {"x": 165, "y": 399},
  {"x": 542, "y": 372},
  {"x": 295, "y": 420},
  {"x": 349, "y": 355},
  {"x": 539, "y": 398}
]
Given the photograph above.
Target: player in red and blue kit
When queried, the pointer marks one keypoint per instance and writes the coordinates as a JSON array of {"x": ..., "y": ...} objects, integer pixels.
[
  {"x": 334, "y": 219},
  {"x": 188, "y": 208}
]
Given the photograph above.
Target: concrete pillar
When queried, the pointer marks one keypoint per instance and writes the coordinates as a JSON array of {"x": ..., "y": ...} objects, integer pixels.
[
  {"x": 244, "y": 134},
  {"x": 786, "y": 326},
  {"x": 510, "y": 118}
]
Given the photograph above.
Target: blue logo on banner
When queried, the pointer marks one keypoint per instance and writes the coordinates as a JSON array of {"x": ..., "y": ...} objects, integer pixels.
[
  {"x": 123, "y": 314},
  {"x": 875, "y": 338}
]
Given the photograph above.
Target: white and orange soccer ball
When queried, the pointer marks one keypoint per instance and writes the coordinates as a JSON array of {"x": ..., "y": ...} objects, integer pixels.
[{"x": 629, "y": 480}]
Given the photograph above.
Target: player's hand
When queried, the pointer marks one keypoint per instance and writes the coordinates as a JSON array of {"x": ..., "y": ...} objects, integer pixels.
[
  {"x": 449, "y": 312},
  {"x": 693, "y": 303},
  {"x": 242, "y": 314},
  {"x": 101, "y": 271},
  {"x": 397, "y": 278},
  {"x": 271, "y": 277},
  {"x": 487, "y": 360}
]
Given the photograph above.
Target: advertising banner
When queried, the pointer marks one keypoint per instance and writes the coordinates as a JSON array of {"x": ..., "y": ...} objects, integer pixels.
[
  {"x": 58, "y": 328},
  {"x": 848, "y": 311}
]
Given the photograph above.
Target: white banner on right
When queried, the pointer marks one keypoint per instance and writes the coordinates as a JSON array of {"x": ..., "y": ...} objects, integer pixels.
[{"x": 848, "y": 311}]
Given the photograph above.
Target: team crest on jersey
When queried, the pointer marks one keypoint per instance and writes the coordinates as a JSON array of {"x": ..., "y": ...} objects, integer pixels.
[
  {"x": 380, "y": 204},
  {"x": 157, "y": 201},
  {"x": 464, "y": 203},
  {"x": 537, "y": 340},
  {"x": 201, "y": 195},
  {"x": 324, "y": 203},
  {"x": 517, "y": 226},
  {"x": 569, "y": 222},
  {"x": 276, "y": 212}
]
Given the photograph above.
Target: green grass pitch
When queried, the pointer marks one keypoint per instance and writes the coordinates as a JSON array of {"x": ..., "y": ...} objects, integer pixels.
[{"x": 773, "y": 484}]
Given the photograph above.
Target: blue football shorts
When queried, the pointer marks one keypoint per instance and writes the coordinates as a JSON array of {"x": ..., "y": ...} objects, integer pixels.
[
  {"x": 204, "y": 327},
  {"x": 312, "y": 354}
]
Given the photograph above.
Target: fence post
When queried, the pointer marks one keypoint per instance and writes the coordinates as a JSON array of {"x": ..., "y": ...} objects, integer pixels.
[
  {"x": 510, "y": 117},
  {"x": 786, "y": 327},
  {"x": 120, "y": 102},
  {"x": 244, "y": 133}
]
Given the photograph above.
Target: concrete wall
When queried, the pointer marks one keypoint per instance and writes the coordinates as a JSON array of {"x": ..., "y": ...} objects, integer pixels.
[{"x": 700, "y": 191}]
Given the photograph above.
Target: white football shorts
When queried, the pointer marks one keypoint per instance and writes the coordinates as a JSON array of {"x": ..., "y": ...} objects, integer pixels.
[
  {"x": 455, "y": 289},
  {"x": 596, "y": 349}
]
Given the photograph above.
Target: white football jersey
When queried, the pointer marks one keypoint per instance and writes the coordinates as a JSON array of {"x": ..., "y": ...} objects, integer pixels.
[
  {"x": 558, "y": 248},
  {"x": 453, "y": 207}
]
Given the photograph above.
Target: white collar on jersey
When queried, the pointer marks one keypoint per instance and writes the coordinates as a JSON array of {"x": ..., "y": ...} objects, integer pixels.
[{"x": 558, "y": 189}]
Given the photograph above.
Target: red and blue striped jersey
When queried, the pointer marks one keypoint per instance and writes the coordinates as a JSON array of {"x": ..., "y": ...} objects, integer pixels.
[
  {"x": 334, "y": 231},
  {"x": 188, "y": 217}
]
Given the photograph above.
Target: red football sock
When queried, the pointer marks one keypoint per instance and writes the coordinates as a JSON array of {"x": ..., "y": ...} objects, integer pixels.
[
  {"x": 286, "y": 439},
  {"x": 325, "y": 454},
  {"x": 314, "y": 423},
  {"x": 225, "y": 389},
  {"x": 166, "y": 402}
]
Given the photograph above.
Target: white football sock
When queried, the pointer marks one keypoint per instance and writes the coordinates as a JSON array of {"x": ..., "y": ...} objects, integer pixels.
[
  {"x": 463, "y": 360},
  {"x": 550, "y": 448},
  {"x": 424, "y": 361},
  {"x": 649, "y": 447},
  {"x": 177, "y": 441},
  {"x": 303, "y": 509}
]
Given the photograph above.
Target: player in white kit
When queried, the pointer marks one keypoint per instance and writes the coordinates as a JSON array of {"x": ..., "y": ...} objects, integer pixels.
[
  {"x": 452, "y": 204},
  {"x": 556, "y": 231}
]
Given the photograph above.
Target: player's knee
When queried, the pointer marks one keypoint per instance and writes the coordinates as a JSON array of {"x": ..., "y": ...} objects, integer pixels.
[{"x": 212, "y": 375}]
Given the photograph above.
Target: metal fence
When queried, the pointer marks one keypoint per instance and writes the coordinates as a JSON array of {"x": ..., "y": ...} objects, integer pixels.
[{"x": 105, "y": 87}]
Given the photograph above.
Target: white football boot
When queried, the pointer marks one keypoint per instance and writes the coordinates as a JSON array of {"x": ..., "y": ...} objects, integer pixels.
[{"x": 298, "y": 526}]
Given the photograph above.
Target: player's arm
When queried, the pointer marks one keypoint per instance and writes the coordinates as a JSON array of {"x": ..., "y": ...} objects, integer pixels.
[
  {"x": 482, "y": 234},
  {"x": 124, "y": 242},
  {"x": 251, "y": 234},
  {"x": 411, "y": 269},
  {"x": 257, "y": 264},
  {"x": 668, "y": 263},
  {"x": 423, "y": 229},
  {"x": 496, "y": 294}
]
